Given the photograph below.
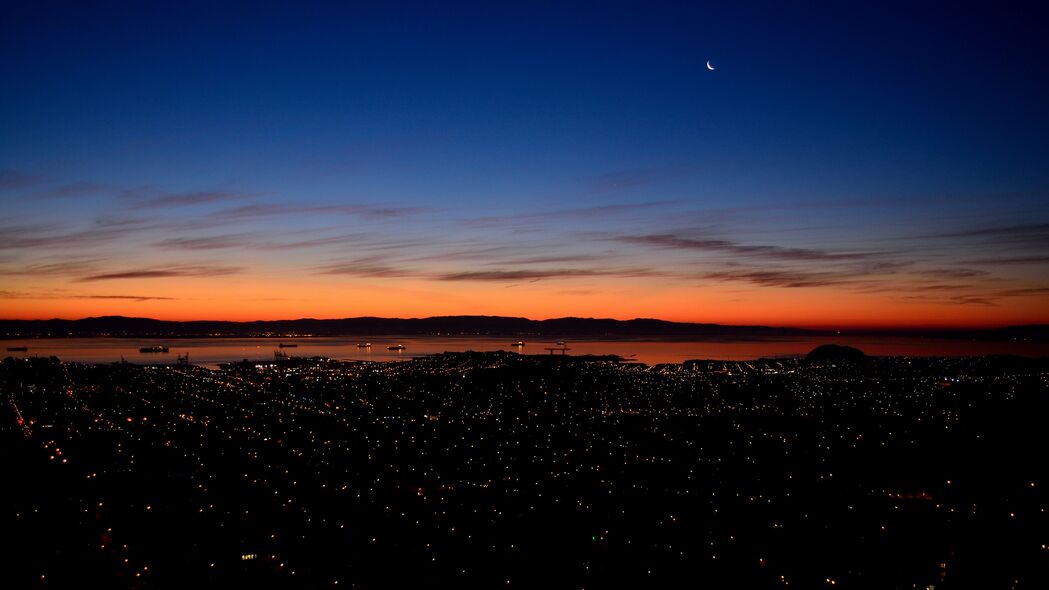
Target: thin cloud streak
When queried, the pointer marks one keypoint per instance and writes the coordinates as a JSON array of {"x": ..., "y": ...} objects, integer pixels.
[
  {"x": 207, "y": 242},
  {"x": 67, "y": 268},
  {"x": 856, "y": 276},
  {"x": 540, "y": 274},
  {"x": 955, "y": 299},
  {"x": 1035, "y": 259},
  {"x": 952, "y": 273},
  {"x": 548, "y": 259},
  {"x": 135, "y": 298},
  {"x": 151, "y": 198},
  {"x": 73, "y": 189},
  {"x": 256, "y": 210},
  {"x": 373, "y": 267},
  {"x": 779, "y": 278},
  {"x": 26, "y": 238},
  {"x": 17, "y": 179},
  {"x": 1019, "y": 238},
  {"x": 677, "y": 242},
  {"x": 596, "y": 211},
  {"x": 161, "y": 273},
  {"x": 1001, "y": 230},
  {"x": 628, "y": 179}
]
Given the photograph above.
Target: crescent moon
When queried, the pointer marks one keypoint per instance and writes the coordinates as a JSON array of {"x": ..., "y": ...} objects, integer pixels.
[{"x": 710, "y": 67}]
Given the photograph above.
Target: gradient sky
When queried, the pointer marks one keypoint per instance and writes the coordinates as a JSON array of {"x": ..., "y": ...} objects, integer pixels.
[{"x": 843, "y": 165}]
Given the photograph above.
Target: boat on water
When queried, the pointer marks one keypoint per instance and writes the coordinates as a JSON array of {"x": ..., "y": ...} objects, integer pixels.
[
  {"x": 283, "y": 345},
  {"x": 153, "y": 349},
  {"x": 518, "y": 344},
  {"x": 364, "y": 345},
  {"x": 17, "y": 348},
  {"x": 396, "y": 347},
  {"x": 280, "y": 355}
]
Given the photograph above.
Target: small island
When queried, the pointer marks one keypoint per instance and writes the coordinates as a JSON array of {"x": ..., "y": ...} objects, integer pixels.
[{"x": 835, "y": 353}]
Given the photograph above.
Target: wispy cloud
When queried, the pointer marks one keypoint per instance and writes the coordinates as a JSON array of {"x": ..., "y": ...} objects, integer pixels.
[
  {"x": 64, "y": 268},
  {"x": 711, "y": 244},
  {"x": 6, "y": 294},
  {"x": 360, "y": 241},
  {"x": 955, "y": 300},
  {"x": 1034, "y": 259},
  {"x": 862, "y": 275},
  {"x": 73, "y": 189},
  {"x": 589, "y": 212},
  {"x": 1023, "y": 291},
  {"x": 539, "y": 274},
  {"x": 255, "y": 210},
  {"x": 952, "y": 273},
  {"x": 49, "y": 237},
  {"x": 164, "y": 272},
  {"x": 627, "y": 179},
  {"x": 554, "y": 259},
  {"x": 1022, "y": 236},
  {"x": 18, "y": 179},
  {"x": 135, "y": 298},
  {"x": 373, "y": 267},
  {"x": 207, "y": 242},
  {"x": 54, "y": 295},
  {"x": 999, "y": 230},
  {"x": 153, "y": 198},
  {"x": 779, "y": 278},
  {"x": 940, "y": 287}
]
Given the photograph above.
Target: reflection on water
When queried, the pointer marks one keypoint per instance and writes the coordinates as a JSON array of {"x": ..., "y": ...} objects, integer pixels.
[{"x": 211, "y": 351}]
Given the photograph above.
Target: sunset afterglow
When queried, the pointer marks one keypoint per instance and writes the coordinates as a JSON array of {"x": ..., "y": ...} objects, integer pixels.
[{"x": 520, "y": 164}]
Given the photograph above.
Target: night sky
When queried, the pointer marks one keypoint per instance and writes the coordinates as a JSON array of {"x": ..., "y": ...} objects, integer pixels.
[{"x": 843, "y": 165}]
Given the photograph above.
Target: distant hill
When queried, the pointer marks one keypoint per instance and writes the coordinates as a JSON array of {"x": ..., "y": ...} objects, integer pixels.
[
  {"x": 1032, "y": 332},
  {"x": 472, "y": 325},
  {"x": 835, "y": 353},
  {"x": 443, "y": 325}
]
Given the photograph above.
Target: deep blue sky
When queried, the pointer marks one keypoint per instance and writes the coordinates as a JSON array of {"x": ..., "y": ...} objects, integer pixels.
[{"x": 909, "y": 130}]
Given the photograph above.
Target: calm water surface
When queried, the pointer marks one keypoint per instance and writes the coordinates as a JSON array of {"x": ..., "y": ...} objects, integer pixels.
[{"x": 211, "y": 351}]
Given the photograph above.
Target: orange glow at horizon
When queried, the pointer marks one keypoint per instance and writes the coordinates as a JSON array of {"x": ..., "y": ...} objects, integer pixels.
[{"x": 245, "y": 299}]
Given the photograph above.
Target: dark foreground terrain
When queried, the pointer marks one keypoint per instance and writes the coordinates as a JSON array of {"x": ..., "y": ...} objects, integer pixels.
[{"x": 497, "y": 470}]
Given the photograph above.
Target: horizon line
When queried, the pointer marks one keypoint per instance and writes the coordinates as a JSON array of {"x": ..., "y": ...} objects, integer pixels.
[{"x": 810, "y": 327}]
